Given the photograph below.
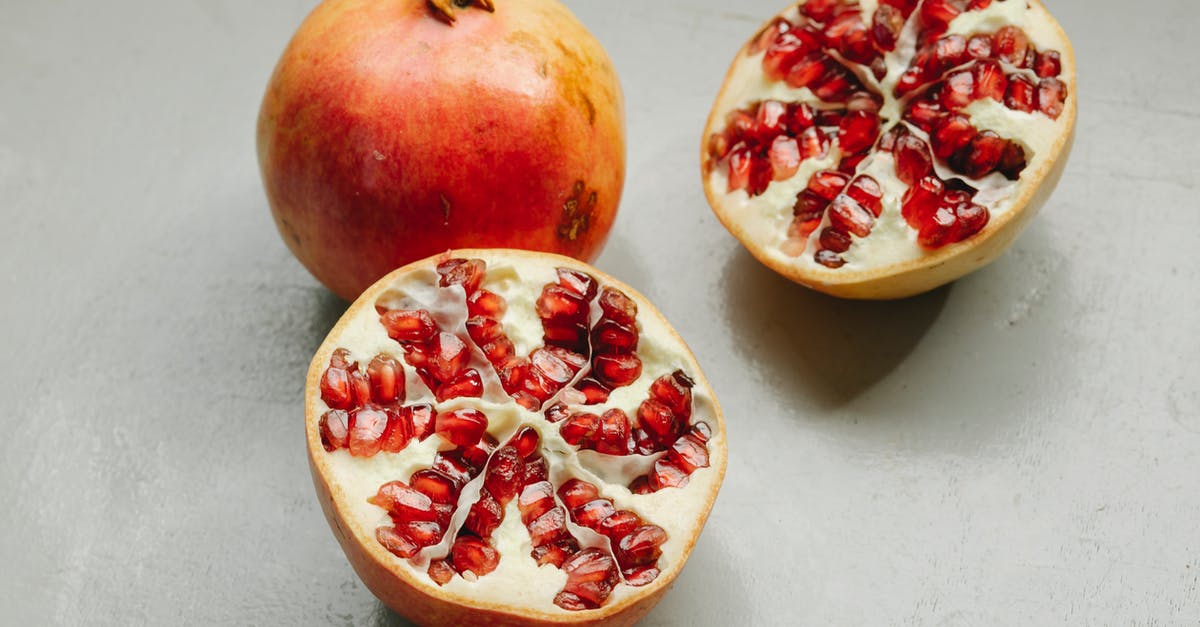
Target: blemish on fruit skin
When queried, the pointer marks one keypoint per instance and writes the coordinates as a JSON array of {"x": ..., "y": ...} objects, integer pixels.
[
  {"x": 577, "y": 213},
  {"x": 445, "y": 209}
]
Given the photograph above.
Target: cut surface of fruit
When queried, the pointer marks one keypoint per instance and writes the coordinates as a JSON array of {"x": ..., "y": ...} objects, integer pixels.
[
  {"x": 566, "y": 484},
  {"x": 927, "y": 135}
]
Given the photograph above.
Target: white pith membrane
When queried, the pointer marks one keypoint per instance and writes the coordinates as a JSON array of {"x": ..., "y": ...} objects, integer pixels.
[
  {"x": 518, "y": 583},
  {"x": 763, "y": 220}
]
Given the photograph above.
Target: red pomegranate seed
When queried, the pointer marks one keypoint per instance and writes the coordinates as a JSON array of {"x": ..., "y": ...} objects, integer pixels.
[
  {"x": 613, "y": 437},
  {"x": 913, "y": 161},
  {"x": 659, "y": 421},
  {"x": 867, "y": 192},
  {"x": 1051, "y": 93},
  {"x": 403, "y": 503},
  {"x": 1048, "y": 64},
  {"x": 851, "y": 37},
  {"x": 579, "y": 428},
  {"x": 549, "y": 528},
  {"x": 948, "y": 52},
  {"x": 858, "y": 131},
  {"x": 477, "y": 456},
  {"x": 769, "y": 120},
  {"x": 452, "y": 465},
  {"x": 809, "y": 208},
  {"x": 535, "y": 470},
  {"x": 594, "y": 392},
  {"x": 979, "y": 47},
  {"x": 640, "y": 576},
  {"x": 576, "y": 492},
  {"x": 990, "y": 81},
  {"x": 335, "y": 381},
  {"x": 619, "y": 524},
  {"x": 1010, "y": 44},
  {"x": 465, "y": 272},
  {"x": 421, "y": 420},
  {"x": 367, "y": 425},
  {"x": 800, "y": 116},
  {"x": 702, "y": 431},
  {"x": 612, "y": 336},
  {"x": 924, "y": 113},
  {"x": 535, "y": 499},
  {"x": 462, "y": 427},
  {"x": 556, "y": 553},
  {"x": 785, "y": 157},
  {"x": 592, "y": 513},
  {"x": 473, "y": 554},
  {"x": 959, "y": 90},
  {"x": 936, "y": 232},
  {"x": 787, "y": 49},
  {"x": 386, "y": 377},
  {"x": 615, "y": 305},
  {"x": 738, "y": 168},
  {"x": 504, "y": 474},
  {"x": 641, "y": 547},
  {"x": 438, "y": 487},
  {"x": 813, "y": 143},
  {"x": 807, "y": 71},
  {"x": 981, "y": 156},
  {"x": 970, "y": 218},
  {"x": 827, "y": 184},
  {"x": 617, "y": 370},
  {"x": 450, "y": 356},
  {"x": 335, "y": 429},
  {"x": 768, "y": 34},
  {"x": 674, "y": 391},
  {"x": 409, "y": 326},
  {"x": 591, "y": 577},
  {"x": 979, "y": 4},
  {"x": 888, "y": 23},
  {"x": 1012, "y": 161},
  {"x": 581, "y": 283},
  {"x": 440, "y": 572},
  {"x": 837, "y": 84},
  {"x": 689, "y": 453},
  {"x": 466, "y": 385},
  {"x": 921, "y": 200},
  {"x": 819, "y": 10},
  {"x": 950, "y": 135},
  {"x": 486, "y": 304},
  {"x": 396, "y": 433},
  {"x": 936, "y": 15},
  {"x": 395, "y": 543},
  {"x": 525, "y": 441},
  {"x": 829, "y": 259},
  {"x": 422, "y": 533},
  {"x": 485, "y": 515},
  {"x": 560, "y": 304},
  {"x": 846, "y": 214},
  {"x": 835, "y": 240}
]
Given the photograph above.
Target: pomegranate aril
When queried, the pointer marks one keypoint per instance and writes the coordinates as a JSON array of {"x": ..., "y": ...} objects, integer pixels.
[
  {"x": 1012, "y": 161},
  {"x": 936, "y": 231},
  {"x": 581, "y": 283},
  {"x": 769, "y": 120},
  {"x": 827, "y": 184},
  {"x": 611, "y": 336},
  {"x": 466, "y": 385},
  {"x": 923, "y": 114},
  {"x": 950, "y": 135},
  {"x": 409, "y": 326},
  {"x": 465, "y": 272},
  {"x": 689, "y": 453},
  {"x": 659, "y": 421},
  {"x": 979, "y": 47},
  {"x": 366, "y": 428},
  {"x": 807, "y": 71},
  {"x": 485, "y": 515},
  {"x": 396, "y": 433},
  {"x": 336, "y": 390},
  {"x": 594, "y": 392},
  {"x": 800, "y": 116},
  {"x": 936, "y": 15},
  {"x": 970, "y": 218},
  {"x": 819, "y": 10},
  {"x": 1020, "y": 94},
  {"x": 948, "y": 52},
  {"x": 617, "y": 370},
  {"x": 555, "y": 553},
  {"x": 536, "y": 470},
  {"x": 888, "y": 22},
  {"x": 472, "y": 554},
  {"x": 386, "y": 377},
  {"x": 334, "y": 428},
  {"x": 449, "y": 356},
  {"x": 858, "y": 131},
  {"x": 913, "y": 161},
  {"x": 535, "y": 499},
  {"x": 486, "y": 304},
  {"x": 1010, "y": 44},
  {"x": 396, "y": 543},
  {"x": 867, "y": 192},
  {"x": 615, "y": 305},
  {"x": 422, "y": 533},
  {"x": 579, "y": 428},
  {"x": 549, "y": 528},
  {"x": 667, "y": 474},
  {"x": 787, "y": 49},
  {"x": 921, "y": 200},
  {"x": 643, "y": 546},
  {"x": 1050, "y": 95},
  {"x": 958, "y": 90},
  {"x": 613, "y": 437},
  {"x": 768, "y": 34},
  {"x": 403, "y": 503},
  {"x": 477, "y": 456},
  {"x": 504, "y": 473},
  {"x": 851, "y": 37},
  {"x": 1048, "y": 64},
  {"x": 785, "y": 157},
  {"x": 981, "y": 156},
  {"x": 990, "y": 81},
  {"x": 835, "y": 240},
  {"x": 829, "y": 259},
  {"x": 846, "y": 214},
  {"x": 441, "y": 572},
  {"x": 525, "y": 441},
  {"x": 592, "y": 513},
  {"x": 591, "y": 577},
  {"x": 560, "y": 305},
  {"x": 421, "y": 419},
  {"x": 452, "y": 465},
  {"x": 576, "y": 492},
  {"x": 462, "y": 427},
  {"x": 640, "y": 576},
  {"x": 438, "y": 487},
  {"x": 837, "y": 84}
]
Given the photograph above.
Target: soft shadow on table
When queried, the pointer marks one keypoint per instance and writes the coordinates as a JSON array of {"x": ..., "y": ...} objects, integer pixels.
[{"x": 814, "y": 346}]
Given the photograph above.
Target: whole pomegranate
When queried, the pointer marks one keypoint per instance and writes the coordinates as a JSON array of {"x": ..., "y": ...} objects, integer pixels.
[
  {"x": 883, "y": 148},
  {"x": 502, "y": 437},
  {"x": 392, "y": 130}
]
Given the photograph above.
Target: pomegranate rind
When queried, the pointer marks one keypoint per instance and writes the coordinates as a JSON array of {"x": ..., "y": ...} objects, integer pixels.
[
  {"x": 412, "y": 593},
  {"x": 936, "y": 267}
]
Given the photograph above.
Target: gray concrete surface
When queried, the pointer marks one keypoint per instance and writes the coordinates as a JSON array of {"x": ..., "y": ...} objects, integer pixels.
[{"x": 1022, "y": 447}]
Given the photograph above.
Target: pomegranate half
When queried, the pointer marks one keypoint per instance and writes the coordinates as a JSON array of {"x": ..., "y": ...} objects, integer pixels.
[
  {"x": 882, "y": 148},
  {"x": 505, "y": 437},
  {"x": 392, "y": 130}
]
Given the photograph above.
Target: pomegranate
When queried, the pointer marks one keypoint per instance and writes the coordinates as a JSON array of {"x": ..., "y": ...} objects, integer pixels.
[
  {"x": 881, "y": 149},
  {"x": 504, "y": 437},
  {"x": 392, "y": 130}
]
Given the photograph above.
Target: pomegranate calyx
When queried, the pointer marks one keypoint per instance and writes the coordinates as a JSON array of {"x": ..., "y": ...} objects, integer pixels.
[{"x": 444, "y": 9}]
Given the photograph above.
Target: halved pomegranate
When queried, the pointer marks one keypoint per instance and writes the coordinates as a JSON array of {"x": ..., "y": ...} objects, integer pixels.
[
  {"x": 881, "y": 149},
  {"x": 501, "y": 436}
]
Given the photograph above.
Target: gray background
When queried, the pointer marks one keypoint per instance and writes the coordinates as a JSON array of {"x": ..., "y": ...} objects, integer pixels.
[{"x": 1023, "y": 446}]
